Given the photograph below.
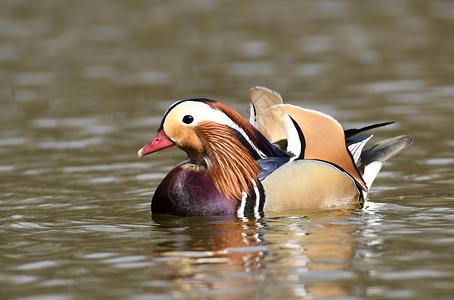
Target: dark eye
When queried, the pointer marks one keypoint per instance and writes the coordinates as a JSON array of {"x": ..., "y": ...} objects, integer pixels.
[{"x": 188, "y": 119}]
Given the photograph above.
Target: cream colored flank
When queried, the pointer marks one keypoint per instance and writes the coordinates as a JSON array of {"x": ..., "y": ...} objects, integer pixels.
[{"x": 309, "y": 185}]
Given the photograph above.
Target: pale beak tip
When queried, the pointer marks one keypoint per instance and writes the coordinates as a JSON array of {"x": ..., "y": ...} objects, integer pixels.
[{"x": 139, "y": 153}]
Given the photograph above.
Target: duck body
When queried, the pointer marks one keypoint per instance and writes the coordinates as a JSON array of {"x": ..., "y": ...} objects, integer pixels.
[
  {"x": 285, "y": 158},
  {"x": 186, "y": 192}
]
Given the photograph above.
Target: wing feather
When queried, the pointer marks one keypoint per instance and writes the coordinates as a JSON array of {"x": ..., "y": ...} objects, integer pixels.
[
  {"x": 324, "y": 138},
  {"x": 268, "y": 124}
]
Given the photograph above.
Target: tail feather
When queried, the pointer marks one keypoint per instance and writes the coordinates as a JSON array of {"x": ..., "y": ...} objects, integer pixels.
[
  {"x": 351, "y": 132},
  {"x": 371, "y": 159}
]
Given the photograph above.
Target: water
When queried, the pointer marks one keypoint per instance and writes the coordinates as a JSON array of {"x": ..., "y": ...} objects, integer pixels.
[{"x": 83, "y": 85}]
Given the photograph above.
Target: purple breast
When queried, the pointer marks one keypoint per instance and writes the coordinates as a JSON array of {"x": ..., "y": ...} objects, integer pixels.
[{"x": 190, "y": 193}]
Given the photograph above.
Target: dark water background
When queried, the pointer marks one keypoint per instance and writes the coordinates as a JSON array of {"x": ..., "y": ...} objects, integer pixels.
[{"x": 83, "y": 85}]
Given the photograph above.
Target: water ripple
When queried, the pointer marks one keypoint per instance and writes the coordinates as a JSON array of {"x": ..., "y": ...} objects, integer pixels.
[
  {"x": 72, "y": 144},
  {"x": 109, "y": 167},
  {"x": 12, "y": 141},
  {"x": 37, "y": 265},
  {"x": 64, "y": 122},
  {"x": 394, "y": 86}
]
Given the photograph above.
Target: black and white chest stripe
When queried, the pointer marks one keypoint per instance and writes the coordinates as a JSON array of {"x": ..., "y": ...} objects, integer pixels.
[{"x": 252, "y": 204}]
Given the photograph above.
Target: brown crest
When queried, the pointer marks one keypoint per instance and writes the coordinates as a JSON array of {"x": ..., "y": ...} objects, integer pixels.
[{"x": 237, "y": 118}]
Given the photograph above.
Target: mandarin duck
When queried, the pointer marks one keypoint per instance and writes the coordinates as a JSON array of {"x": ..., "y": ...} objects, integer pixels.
[{"x": 284, "y": 158}]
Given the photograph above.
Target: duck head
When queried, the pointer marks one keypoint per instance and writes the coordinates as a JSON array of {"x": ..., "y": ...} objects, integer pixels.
[{"x": 217, "y": 140}]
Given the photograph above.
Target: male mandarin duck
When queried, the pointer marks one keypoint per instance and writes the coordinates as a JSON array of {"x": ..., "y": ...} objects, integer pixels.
[{"x": 285, "y": 158}]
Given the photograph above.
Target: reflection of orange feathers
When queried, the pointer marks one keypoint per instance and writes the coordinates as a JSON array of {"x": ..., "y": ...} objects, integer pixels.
[{"x": 229, "y": 163}]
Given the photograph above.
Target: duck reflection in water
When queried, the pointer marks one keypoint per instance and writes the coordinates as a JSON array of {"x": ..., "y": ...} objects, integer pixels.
[{"x": 227, "y": 256}]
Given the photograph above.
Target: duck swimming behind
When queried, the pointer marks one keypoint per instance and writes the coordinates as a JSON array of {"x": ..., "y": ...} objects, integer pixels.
[{"x": 284, "y": 158}]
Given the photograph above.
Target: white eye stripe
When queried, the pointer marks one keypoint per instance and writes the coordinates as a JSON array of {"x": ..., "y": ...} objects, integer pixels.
[{"x": 201, "y": 111}]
